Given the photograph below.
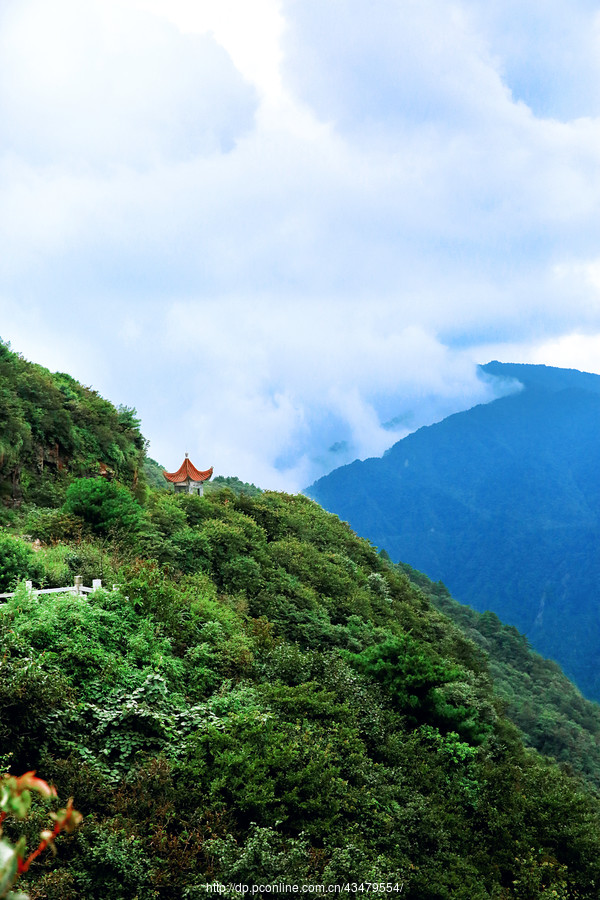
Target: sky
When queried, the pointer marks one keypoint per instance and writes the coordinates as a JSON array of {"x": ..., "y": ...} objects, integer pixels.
[{"x": 288, "y": 231}]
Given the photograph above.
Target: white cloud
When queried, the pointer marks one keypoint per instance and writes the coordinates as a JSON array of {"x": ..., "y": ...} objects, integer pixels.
[
  {"x": 274, "y": 389},
  {"x": 99, "y": 84},
  {"x": 547, "y": 53},
  {"x": 569, "y": 351},
  {"x": 385, "y": 67},
  {"x": 250, "y": 32},
  {"x": 270, "y": 269}
]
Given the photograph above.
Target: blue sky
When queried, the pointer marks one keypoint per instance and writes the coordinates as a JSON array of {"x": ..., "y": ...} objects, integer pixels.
[{"x": 274, "y": 227}]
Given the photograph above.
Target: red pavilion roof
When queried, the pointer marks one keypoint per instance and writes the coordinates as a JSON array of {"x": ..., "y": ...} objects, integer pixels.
[{"x": 187, "y": 470}]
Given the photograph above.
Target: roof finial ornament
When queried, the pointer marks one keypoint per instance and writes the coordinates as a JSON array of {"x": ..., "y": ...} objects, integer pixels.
[{"x": 186, "y": 455}]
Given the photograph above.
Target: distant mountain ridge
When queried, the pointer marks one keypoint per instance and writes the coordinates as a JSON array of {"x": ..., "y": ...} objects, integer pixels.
[{"x": 501, "y": 502}]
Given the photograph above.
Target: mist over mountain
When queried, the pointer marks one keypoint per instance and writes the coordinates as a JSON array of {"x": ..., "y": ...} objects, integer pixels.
[{"x": 500, "y": 503}]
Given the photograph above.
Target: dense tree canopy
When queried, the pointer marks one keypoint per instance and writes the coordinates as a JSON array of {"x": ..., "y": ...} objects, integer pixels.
[
  {"x": 52, "y": 427},
  {"x": 549, "y": 710},
  {"x": 263, "y": 697}
]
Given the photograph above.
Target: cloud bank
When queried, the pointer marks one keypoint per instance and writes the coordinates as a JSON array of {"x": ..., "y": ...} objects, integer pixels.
[{"x": 288, "y": 238}]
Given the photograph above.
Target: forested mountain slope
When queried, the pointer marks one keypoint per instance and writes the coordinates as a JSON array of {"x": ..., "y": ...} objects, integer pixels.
[
  {"x": 501, "y": 503},
  {"x": 549, "y": 710},
  {"x": 266, "y": 699},
  {"x": 51, "y": 428}
]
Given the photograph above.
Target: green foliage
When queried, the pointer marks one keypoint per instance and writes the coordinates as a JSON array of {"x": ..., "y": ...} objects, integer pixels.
[
  {"x": 153, "y": 473},
  {"x": 415, "y": 677},
  {"x": 233, "y": 484},
  {"x": 32, "y": 696},
  {"x": 53, "y": 525},
  {"x": 111, "y": 863},
  {"x": 127, "y": 723},
  {"x": 266, "y": 856},
  {"x": 548, "y": 709},
  {"x": 166, "y": 513},
  {"x": 106, "y": 507},
  {"x": 16, "y": 561},
  {"x": 52, "y": 428},
  {"x": 191, "y": 550},
  {"x": 267, "y": 698}
]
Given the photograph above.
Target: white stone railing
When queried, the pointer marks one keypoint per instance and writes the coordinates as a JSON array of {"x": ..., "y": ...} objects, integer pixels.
[{"x": 77, "y": 588}]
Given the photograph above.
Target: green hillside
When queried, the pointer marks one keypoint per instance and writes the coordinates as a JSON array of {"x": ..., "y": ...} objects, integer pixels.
[
  {"x": 264, "y": 699},
  {"x": 273, "y": 703},
  {"x": 502, "y": 503},
  {"x": 52, "y": 428},
  {"x": 548, "y": 709}
]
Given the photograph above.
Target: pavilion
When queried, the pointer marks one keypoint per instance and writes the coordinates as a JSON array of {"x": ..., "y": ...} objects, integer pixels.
[{"x": 188, "y": 479}]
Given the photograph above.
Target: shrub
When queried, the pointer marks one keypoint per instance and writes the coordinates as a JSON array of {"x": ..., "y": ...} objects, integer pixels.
[
  {"x": 107, "y": 507},
  {"x": 16, "y": 561},
  {"x": 51, "y": 525},
  {"x": 413, "y": 674}
]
